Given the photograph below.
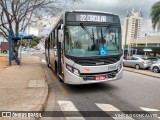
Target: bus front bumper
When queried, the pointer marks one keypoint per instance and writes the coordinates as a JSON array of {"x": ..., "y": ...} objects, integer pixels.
[{"x": 71, "y": 78}]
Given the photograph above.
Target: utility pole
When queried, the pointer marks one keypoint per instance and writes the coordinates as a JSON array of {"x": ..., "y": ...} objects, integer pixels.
[
  {"x": 146, "y": 39},
  {"x": 10, "y": 46}
]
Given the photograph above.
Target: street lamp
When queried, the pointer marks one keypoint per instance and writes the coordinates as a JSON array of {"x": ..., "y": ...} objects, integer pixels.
[
  {"x": 128, "y": 52},
  {"x": 146, "y": 44},
  {"x": 146, "y": 39}
]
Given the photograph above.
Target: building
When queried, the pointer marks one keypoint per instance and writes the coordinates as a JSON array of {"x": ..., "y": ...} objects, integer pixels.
[
  {"x": 132, "y": 27},
  {"x": 31, "y": 31},
  {"x": 149, "y": 44},
  {"x": 146, "y": 41}
]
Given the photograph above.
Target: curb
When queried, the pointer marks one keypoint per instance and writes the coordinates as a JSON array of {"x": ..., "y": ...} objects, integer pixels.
[
  {"x": 40, "y": 107},
  {"x": 42, "y": 104},
  {"x": 141, "y": 73}
]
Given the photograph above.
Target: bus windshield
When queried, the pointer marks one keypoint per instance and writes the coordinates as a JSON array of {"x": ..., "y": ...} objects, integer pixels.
[{"x": 84, "y": 41}]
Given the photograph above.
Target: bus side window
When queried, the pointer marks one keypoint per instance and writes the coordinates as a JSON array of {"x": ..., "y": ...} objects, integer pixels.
[
  {"x": 50, "y": 41},
  {"x": 54, "y": 43},
  {"x": 53, "y": 39}
]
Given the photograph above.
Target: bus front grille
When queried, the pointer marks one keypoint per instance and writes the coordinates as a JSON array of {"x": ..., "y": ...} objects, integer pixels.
[{"x": 97, "y": 62}]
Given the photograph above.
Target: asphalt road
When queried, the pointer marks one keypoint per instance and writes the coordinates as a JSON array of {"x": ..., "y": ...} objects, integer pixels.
[{"x": 131, "y": 93}]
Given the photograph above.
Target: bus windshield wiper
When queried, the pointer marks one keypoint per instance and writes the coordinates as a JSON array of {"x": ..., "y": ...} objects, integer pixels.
[
  {"x": 87, "y": 31},
  {"x": 93, "y": 37},
  {"x": 109, "y": 26},
  {"x": 102, "y": 38}
]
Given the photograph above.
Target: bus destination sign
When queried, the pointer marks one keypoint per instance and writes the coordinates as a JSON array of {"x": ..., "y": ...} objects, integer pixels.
[
  {"x": 90, "y": 17},
  {"x": 93, "y": 18}
]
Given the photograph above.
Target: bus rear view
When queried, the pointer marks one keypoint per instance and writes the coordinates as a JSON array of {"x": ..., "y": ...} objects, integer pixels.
[{"x": 90, "y": 48}]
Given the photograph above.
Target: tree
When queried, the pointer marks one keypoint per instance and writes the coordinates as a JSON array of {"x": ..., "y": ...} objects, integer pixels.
[
  {"x": 16, "y": 15},
  {"x": 35, "y": 41},
  {"x": 155, "y": 15}
]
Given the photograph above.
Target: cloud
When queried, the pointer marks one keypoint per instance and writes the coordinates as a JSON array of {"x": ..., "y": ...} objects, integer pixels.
[{"x": 121, "y": 7}]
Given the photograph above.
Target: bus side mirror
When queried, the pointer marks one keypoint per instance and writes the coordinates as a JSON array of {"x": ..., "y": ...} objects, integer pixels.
[{"x": 60, "y": 35}]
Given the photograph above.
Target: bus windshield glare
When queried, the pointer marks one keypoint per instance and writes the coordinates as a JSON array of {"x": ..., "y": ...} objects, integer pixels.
[{"x": 84, "y": 41}]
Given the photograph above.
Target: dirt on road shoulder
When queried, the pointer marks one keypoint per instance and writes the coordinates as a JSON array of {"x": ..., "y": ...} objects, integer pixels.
[{"x": 3, "y": 62}]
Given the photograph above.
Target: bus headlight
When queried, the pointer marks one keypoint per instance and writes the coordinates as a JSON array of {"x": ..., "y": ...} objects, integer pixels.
[
  {"x": 69, "y": 67},
  {"x": 72, "y": 69},
  {"x": 76, "y": 72},
  {"x": 119, "y": 67}
]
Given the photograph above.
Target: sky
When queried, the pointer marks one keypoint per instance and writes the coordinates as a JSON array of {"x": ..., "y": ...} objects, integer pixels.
[
  {"x": 120, "y": 7},
  {"x": 1, "y": 40}
]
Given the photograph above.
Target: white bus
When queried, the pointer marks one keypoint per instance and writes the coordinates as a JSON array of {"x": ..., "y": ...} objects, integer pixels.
[{"x": 84, "y": 47}]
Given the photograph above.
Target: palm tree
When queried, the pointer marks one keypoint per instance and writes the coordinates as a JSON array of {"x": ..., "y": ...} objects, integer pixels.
[{"x": 155, "y": 15}]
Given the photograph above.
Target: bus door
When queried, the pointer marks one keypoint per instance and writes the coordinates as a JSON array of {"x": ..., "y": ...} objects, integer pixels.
[{"x": 60, "y": 52}]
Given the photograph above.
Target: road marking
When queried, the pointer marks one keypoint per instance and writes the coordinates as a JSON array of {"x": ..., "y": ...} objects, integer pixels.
[
  {"x": 68, "y": 106},
  {"x": 149, "y": 110},
  {"x": 109, "y": 108}
]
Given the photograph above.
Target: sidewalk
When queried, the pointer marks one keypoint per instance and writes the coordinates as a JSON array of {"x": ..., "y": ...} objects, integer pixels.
[
  {"x": 143, "y": 72},
  {"x": 3, "y": 61},
  {"x": 23, "y": 88}
]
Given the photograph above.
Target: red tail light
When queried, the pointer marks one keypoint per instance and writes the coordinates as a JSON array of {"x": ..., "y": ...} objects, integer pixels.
[{"x": 143, "y": 62}]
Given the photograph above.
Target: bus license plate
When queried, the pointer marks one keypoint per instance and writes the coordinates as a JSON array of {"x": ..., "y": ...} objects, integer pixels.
[{"x": 100, "y": 77}]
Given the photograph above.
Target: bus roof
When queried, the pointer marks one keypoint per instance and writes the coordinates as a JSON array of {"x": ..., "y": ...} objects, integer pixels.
[{"x": 91, "y": 11}]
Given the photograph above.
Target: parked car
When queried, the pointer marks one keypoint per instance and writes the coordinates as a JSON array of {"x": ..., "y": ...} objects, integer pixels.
[
  {"x": 137, "y": 62},
  {"x": 155, "y": 67},
  {"x": 153, "y": 59}
]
